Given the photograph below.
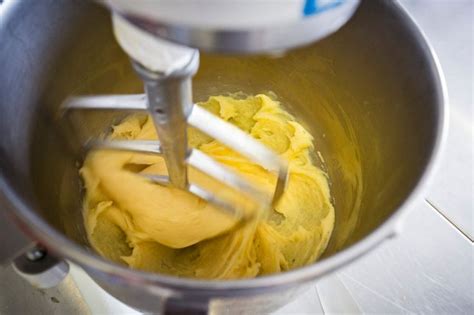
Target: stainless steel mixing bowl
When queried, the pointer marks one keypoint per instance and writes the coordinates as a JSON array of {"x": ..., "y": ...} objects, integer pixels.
[{"x": 372, "y": 94}]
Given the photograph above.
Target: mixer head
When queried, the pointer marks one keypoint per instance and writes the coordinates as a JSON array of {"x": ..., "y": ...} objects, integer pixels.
[{"x": 237, "y": 26}]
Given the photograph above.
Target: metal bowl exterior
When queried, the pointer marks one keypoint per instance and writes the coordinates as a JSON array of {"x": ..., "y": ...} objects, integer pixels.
[{"x": 143, "y": 290}]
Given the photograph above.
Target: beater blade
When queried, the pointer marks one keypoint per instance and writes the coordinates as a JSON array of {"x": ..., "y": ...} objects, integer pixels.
[{"x": 224, "y": 132}]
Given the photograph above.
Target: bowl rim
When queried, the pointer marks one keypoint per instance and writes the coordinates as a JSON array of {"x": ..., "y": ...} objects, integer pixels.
[{"x": 34, "y": 226}]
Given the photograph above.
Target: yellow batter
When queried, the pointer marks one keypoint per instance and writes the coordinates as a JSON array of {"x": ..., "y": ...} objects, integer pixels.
[{"x": 150, "y": 227}]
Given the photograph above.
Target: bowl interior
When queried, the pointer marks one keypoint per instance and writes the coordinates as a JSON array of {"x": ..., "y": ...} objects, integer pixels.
[{"x": 367, "y": 95}]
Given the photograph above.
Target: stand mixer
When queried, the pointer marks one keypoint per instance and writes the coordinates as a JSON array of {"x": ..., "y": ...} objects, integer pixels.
[{"x": 269, "y": 27}]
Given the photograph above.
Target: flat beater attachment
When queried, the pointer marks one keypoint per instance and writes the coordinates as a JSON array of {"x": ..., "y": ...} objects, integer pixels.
[{"x": 168, "y": 101}]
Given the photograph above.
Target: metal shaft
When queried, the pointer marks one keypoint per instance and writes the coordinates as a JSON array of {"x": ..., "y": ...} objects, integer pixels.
[{"x": 170, "y": 103}]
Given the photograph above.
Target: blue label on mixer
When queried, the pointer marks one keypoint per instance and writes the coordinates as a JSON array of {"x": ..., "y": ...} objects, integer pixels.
[{"x": 317, "y": 6}]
